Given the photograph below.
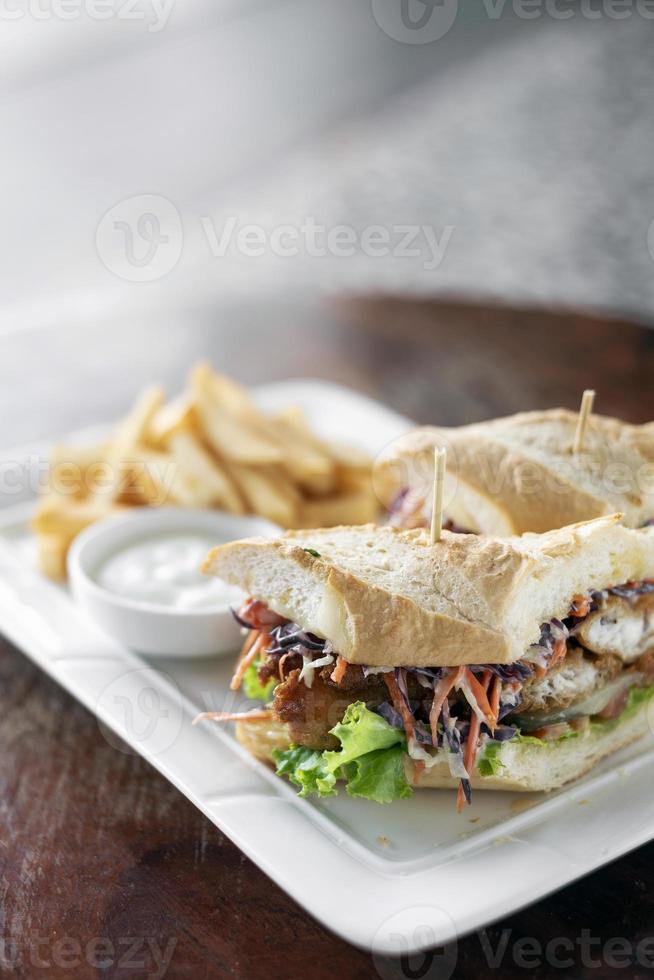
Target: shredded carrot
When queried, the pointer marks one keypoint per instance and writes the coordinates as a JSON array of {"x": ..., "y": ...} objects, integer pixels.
[
  {"x": 471, "y": 744},
  {"x": 418, "y": 770},
  {"x": 399, "y": 703},
  {"x": 250, "y": 653},
  {"x": 259, "y": 714},
  {"x": 560, "y": 650},
  {"x": 441, "y": 691},
  {"x": 338, "y": 673},
  {"x": 479, "y": 692},
  {"x": 252, "y": 636},
  {"x": 580, "y": 606}
]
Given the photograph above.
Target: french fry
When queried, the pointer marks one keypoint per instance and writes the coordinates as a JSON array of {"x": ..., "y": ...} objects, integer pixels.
[
  {"x": 294, "y": 416},
  {"x": 348, "y": 507},
  {"x": 233, "y": 396},
  {"x": 59, "y": 516},
  {"x": 133, "y": 429},
  {"x": 176, "y": 416},
  {"x": 51, "y": 555},
  {"x": 107, "y": 479},
  {"x": 307, "y": 458},
  {"x": 69, "y": 468},
  {"x": 268, "y": 492},
  {"x": 224, "y": 391},
  {"x": 158, "y": 480},
  {"x": 231, "y": 436},
  {"x": 210, "y": 447},
  {"x": 349, "y": 457},
  {"x": 354, "y": 479},
  {"x": 82, "y": 456},
  {"x": 305, "y": 461},
  {"x": 205, "y": 472}
]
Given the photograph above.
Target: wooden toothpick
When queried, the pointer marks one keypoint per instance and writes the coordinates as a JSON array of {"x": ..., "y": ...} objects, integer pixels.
[
  {"x": 587, "y": 401},
  {"x": 440, "y": 459}
]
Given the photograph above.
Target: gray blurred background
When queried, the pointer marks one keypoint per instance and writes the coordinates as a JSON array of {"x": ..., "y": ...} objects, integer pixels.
[{"x": 188, "y": 162}]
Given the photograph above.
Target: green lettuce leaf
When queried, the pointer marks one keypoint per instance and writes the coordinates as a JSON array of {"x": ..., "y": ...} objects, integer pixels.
[
  {"x": 252, "y": 686},
  {"x": 521, "y": 739},
  {"x": 490, "y": 763},
  {"x": 306, "y": 769},
  {"x": 378, "y": 776},
  {"x": 361, "y": 731},
  {"x": 370, "y": 761}
]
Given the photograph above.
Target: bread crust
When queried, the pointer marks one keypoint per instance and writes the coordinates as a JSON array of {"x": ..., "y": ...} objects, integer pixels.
[
  {"x": 527, "y": 767},
  {"x": 386, "y": 597},
  {"x": 517, "y": 474}
]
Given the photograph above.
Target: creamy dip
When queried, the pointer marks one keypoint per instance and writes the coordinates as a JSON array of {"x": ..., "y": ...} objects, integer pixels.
[{"x": 164, "y": 570}]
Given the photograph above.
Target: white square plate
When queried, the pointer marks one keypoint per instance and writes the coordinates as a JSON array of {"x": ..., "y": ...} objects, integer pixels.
[{"x": 390, "y": 879}]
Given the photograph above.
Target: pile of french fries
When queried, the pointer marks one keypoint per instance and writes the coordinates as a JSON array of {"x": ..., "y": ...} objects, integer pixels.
[{"x": 210, "y": 447}]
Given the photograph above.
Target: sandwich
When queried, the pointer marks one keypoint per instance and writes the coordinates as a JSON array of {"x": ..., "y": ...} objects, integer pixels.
[
  {"x": 516, "y": 474},
  {"x": 386, "y": 663}
]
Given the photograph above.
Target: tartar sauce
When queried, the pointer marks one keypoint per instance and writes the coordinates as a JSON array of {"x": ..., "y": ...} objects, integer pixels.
[{"x": 165, "y": 571}]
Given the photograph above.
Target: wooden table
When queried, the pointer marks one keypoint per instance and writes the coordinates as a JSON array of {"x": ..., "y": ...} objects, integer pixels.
[{"x": 105, "y": 869}]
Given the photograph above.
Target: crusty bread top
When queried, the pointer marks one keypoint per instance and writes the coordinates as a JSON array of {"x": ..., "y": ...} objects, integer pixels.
[
  {"x": 517, "y": 474},
  {"x": 387, "y": 597}
]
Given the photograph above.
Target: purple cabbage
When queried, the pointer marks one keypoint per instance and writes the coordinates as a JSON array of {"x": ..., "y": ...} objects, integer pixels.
[
  {"x": 463, "y": 729},
  {"x": 290, "y": 635},
  {"x": 504, "y": 733},
  {"x": 397, "y": 501},
  {"x": 507, "y": 707},
  {"x": 422, "y": 733},
  {"x": 518, "y": 671},
  {"x": 389, "y": 714},
  {"x": 451, "y": 731},
  {"x": 629, "y": 591},
  {"x": 431, "y": 674}
]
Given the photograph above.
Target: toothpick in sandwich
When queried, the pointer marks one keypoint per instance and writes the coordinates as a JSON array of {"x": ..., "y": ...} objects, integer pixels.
[
  {"x": 440, "y": 461},
  {"x": 587, "y": 401}
]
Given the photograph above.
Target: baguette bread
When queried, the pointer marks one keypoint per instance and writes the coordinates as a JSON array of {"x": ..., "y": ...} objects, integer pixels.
[
  {"x": 517, "y": 474},
  {"x": 385, "y": 597},
  {"x": 526, "y": 767}
]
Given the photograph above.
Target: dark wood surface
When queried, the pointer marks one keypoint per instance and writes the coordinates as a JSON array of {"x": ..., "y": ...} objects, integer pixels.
[{"x": 105, "y": 869}]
